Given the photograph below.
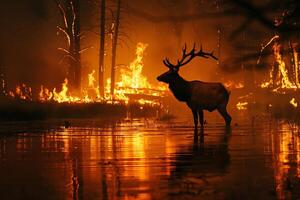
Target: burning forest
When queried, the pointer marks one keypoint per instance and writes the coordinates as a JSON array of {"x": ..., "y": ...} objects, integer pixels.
[
  {"x": 133, "y": 86},
  {"x": 269, "y": 68},
  {"x": 163, "y": 99}
]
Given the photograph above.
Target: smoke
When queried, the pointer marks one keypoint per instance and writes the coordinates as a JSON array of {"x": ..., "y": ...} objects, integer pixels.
[{"x": 29, "y": 41}]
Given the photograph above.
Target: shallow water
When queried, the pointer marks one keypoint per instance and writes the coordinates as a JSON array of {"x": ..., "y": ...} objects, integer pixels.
[{"x": 259, "y": 158}]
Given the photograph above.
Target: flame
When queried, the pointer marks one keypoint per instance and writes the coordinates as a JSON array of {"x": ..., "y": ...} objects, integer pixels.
[
  {"x": 283, "y": 78},
  {"x": 133, "y": 82},
  {"x": 22, "y": 91},
  {"x": 92, "y": 92},
  {"x": 286, "y": 83},
  {"x": 265, "y": 84},
  {"x": 63, "y": 95},
  {"x": 293, "y": 102},
  {"x": 132, "y": 86},
  {"x": 91, "y": 79},
  {"x": 242, "y": 105},
  {"x": 45, "y": 94}
]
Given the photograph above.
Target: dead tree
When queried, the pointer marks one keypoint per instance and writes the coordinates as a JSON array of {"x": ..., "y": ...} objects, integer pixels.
[
  {"x": 102, "y": 48},
  {"x": 3, "y": 83},
  {"x": 115, "y": 36},
  {"x": 71, "y": 30}
]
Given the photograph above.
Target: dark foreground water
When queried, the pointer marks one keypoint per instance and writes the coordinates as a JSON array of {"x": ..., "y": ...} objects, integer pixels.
[{"x": 259, "y": 158}]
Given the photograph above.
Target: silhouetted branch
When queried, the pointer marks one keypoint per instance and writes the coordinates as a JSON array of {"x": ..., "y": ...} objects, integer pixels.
[{"x": 255, "y": 13}]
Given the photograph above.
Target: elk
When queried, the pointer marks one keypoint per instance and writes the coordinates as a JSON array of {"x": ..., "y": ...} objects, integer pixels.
[{"x": 198, "y": 95}]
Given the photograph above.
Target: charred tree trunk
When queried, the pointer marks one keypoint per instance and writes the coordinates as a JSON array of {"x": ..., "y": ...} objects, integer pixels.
[
  {"x": 68, "y": 19},
  {"x": 3, "y": 89},
  {"x": 77, "y": 56},
  {"x": 101, "y": 51},
  {"x": 114, "y": 48},
  {"x": 71, "y": 30}
]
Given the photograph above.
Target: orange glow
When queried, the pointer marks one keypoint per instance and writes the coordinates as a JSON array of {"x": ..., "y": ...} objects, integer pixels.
[
  {"x": 293, "y": 102},
  {"x": 242, "y": 105}
]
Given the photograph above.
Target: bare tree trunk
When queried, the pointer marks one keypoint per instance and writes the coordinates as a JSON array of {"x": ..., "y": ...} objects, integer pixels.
[
  {"x": 69, "y": 12},
  {"x": 114, "y": 49},
  {"x": 101, "y": 51},
  {"x": 77, "y": 62},
  {"x": 71, "y": 30},
  {"x": 3, "y": 89}
]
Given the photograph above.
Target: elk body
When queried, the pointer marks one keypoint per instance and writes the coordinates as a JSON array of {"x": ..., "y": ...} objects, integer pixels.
[{"x": 198, "y": 95}]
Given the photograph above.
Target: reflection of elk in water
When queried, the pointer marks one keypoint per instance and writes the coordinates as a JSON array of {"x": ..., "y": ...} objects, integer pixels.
[
  {"x": 202, "y": 165},
  {"x": 198, "y": 95}
]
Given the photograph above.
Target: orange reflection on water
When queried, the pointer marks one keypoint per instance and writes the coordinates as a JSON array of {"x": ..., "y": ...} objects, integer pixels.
[
  {"x": 139, "y": 159},
  {"x": 287, "y": 159},
  {"x": 298, "y": 156},
  {"x": 112, "y": 157}
]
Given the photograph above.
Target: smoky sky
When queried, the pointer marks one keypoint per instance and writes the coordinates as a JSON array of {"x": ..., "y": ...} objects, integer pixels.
[
  {"x": 26, "y": 31},
  {"x": 29, "y": 39}
]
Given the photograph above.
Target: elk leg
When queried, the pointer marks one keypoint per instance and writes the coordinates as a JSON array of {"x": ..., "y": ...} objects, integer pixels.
[
  {"x": 222, "y": 110},
  {"x": 195, "y": 115},
  {"x": 201, "y": 118}
]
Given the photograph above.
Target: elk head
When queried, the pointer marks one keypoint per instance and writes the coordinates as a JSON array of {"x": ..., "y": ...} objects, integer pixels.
[{"x": 170, "y": 75}]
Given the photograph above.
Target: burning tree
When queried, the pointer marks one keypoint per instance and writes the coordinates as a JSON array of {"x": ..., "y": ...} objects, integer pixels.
[{"x": 285, "y": 70}]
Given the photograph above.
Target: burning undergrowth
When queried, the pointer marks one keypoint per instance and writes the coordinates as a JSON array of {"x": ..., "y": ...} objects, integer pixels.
[
  {"x": 133, "y": 96},
  {"x": 132, "y": 87},
  {"x": 279, "y": 92}
]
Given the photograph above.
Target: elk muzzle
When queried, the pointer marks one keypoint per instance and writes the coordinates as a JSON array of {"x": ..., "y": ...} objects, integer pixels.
[{"x": 159, "y": 78}]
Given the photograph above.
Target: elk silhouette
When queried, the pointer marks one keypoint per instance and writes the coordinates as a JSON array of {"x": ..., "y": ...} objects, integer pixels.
[{"x": 198, "y": 95}]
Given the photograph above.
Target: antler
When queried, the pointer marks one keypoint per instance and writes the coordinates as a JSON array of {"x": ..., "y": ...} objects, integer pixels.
[{"x": 192, "y": 54}]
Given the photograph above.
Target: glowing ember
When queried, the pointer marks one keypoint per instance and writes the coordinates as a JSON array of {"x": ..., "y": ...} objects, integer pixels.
[
  {"x": 265, "y": 84},
  {"x": 231, "y": 84},
  {"x": 242, "y": 105},
  {"x": 293, "y": 102}
]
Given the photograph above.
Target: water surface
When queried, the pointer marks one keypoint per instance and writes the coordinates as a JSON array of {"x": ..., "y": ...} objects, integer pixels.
[{"x": 259, "y": 158}]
